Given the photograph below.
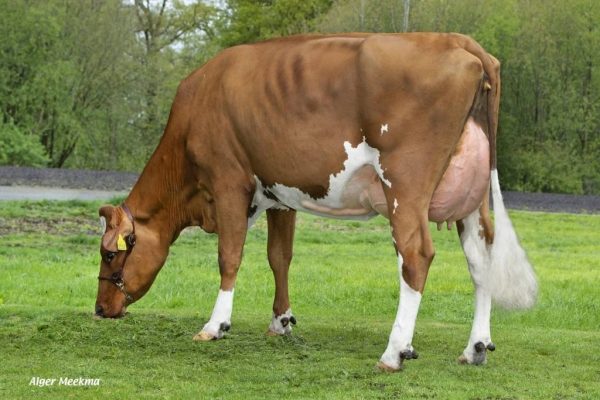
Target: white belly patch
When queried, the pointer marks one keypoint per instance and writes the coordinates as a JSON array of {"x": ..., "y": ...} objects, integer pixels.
[{"x": 344, "y": 198}]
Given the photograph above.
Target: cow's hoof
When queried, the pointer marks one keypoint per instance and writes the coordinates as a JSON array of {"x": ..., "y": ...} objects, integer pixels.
[
  {"x": 392, "y": 363},
  {"x": 281, "y": 324},
  {"x": 476, "y": 355},
  {"x": 381, "y": 366},
  {"x": 204, "y": 336}
]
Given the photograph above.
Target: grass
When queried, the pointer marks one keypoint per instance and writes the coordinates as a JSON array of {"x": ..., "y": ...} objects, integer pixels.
[{"x": 344, "y": 290}]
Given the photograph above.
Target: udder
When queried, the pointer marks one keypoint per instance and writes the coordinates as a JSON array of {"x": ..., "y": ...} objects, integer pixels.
[
  {"x": 466, "y": 180},
  {"x": 462, "y": 186}
]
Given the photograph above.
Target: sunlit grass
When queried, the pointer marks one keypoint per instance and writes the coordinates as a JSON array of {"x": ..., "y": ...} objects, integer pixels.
[{"x": 344, "y": 293}]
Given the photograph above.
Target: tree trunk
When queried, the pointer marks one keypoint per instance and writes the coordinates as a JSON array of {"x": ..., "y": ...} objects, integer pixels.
[{"x": 406, "y": 13}]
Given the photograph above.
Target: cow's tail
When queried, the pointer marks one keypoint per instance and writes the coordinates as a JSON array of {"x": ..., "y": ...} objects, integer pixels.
[{"x": 511, "y": 278}]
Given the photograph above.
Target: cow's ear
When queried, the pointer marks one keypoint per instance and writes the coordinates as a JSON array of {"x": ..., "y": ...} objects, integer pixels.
[
  {"x": 117, "y": 224},
  {"x": 105, "y": 213},
  {"x": 110, "y": 231}
]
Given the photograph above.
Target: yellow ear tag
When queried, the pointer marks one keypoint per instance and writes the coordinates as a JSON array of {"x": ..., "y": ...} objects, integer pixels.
[{"x": 121, "y": 245}]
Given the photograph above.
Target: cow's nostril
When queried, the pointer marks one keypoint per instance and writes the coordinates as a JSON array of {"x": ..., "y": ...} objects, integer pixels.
[{"x": 99, "y": 310}]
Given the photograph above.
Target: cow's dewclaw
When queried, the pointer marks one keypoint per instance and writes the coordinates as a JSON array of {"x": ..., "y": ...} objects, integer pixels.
[{"x": 478, "y": 354}]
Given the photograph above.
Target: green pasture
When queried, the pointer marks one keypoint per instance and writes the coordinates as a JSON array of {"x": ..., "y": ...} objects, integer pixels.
[{"x": 344, "y": 293}]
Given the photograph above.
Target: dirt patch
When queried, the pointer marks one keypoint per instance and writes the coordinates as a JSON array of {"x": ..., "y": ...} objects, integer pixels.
[{"x": 51, "y": 226}]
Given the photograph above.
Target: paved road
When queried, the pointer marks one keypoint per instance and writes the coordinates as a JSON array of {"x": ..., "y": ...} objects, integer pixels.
[
  {"x": 51, "y": 193},
  {"x": 514, "y": 200},
  {"x": 65, "y": 184}
]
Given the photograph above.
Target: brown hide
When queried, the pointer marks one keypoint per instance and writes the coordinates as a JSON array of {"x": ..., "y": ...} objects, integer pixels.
[{"x": 282, "y": 110}]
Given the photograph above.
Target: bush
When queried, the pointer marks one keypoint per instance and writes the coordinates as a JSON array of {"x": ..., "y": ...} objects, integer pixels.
[
  {"x": 19, "y": 148},
  {"x": 550, "y": 167}
]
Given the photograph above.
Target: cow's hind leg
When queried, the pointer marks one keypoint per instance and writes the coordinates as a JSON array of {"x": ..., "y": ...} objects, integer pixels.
[
  {"x": 232, "y": 224},
  {"x": 476, "y": 236},
  {"x": 281, "y": 226},
  {"x": 415, "y": 252}
]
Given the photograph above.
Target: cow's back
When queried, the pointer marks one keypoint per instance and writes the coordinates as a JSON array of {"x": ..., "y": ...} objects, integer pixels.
[{"x": 283, "y": 109}]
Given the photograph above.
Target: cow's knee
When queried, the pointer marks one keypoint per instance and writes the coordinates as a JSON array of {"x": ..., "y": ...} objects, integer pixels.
[{"x": 229, "y": 265}]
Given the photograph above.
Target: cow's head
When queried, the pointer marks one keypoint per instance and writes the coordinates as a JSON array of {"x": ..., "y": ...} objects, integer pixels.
[{"x": 131, "y": 258}]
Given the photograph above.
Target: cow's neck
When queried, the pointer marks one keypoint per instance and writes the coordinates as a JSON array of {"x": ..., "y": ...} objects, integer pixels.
[{"x": 158, "y": 198}]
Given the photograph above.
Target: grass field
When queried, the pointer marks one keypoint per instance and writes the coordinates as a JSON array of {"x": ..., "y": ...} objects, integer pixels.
[{"x": 344, "y": 290}]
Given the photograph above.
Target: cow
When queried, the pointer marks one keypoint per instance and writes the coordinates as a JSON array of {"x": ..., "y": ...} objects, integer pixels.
[{"x": 345, "y": 126}]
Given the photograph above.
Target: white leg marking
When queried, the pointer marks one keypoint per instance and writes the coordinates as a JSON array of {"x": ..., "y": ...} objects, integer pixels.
[
  {"x": 281, "y": 328},
  {"x": 395, "y": 205},
  {"x": 480, "y": 332},
  {"x": 481, "y": 321},
  {"x": 221, "y": 314},
  {"x": 478, "y": 258},
  {"x": 475, "y": 249},
  {"x": 404, "y": 325}
]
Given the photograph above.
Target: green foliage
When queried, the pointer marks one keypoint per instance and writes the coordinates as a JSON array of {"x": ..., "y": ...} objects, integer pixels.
[
  {"x": 165, "y": 28},
  {"x": 19, "y": 148},
  {"x": 93, "y": 81},
  {"x": 550, "y": 167},
  {"x": 248, "y": 21}
]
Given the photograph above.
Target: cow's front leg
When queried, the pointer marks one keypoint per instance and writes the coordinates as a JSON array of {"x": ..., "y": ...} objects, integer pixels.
[
  {"x": 232, "y": 225},
  {"x": 415, "y": 253},
  {"x": 474, "y": 237},
  {"x": 281, "y": 226},
  {"x": 220, "y": 319}
]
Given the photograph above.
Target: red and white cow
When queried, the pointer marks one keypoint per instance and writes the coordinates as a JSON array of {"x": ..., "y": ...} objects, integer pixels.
[{"x": 345, "y": 126}]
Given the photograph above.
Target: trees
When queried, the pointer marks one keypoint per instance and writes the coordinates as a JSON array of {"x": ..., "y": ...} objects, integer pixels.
[
  {"x": 247, "y": 21},
  {"x": 20, "y": 148},
  {"x": 549, "y": 137},
  {"x": 62, "y": 64},
  {"x": 551, "y": 101},
  {"x": 163, "y": 28},
  {"x": 92, "y": 80}
]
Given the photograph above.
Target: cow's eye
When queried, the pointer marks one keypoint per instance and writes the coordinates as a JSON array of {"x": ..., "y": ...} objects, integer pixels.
[{"x": 108, "y": 257}]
